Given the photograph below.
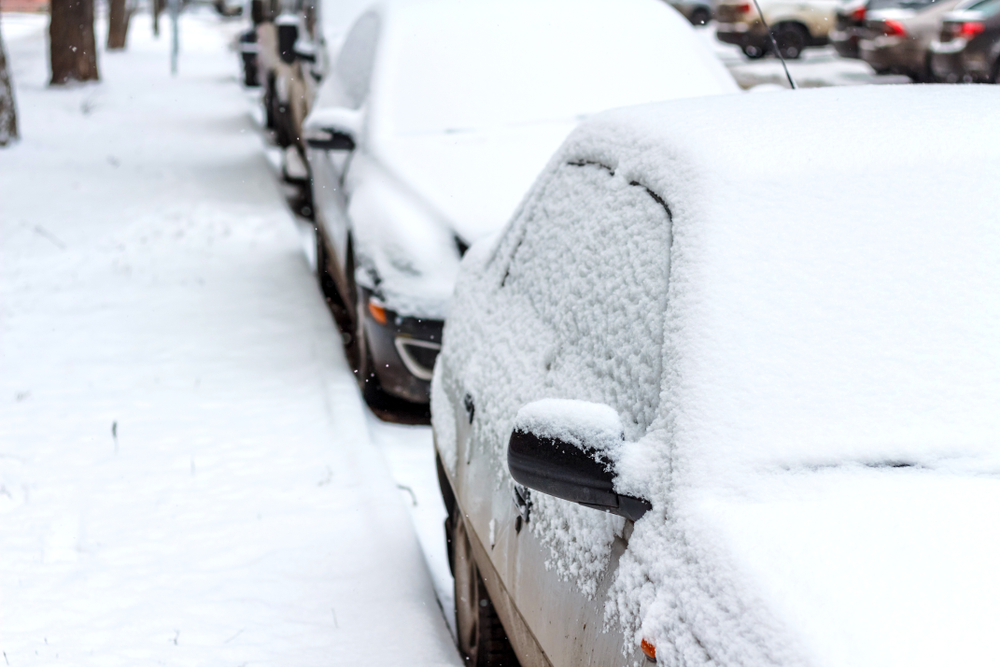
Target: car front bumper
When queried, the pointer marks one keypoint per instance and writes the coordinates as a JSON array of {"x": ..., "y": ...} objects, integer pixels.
[
  {"x": 743, "y": 34},
  {"x": 403, "y": 351},
  {"x": 898, "y": 55}
]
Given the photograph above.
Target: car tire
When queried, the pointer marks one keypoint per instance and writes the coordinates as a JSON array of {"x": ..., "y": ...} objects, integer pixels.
[
  {"x": 327, "y": 285},
  {"x": 996, "y": 73},
  {"x": 754, "y": 52},
  {"x": 792, "y": 40},
  {"x": 368, "y": 383},
  {"x": 701, "y": 16},
  {"x": 482, "y": 639}
]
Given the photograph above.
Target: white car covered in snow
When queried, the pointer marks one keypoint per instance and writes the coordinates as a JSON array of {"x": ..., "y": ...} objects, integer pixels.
[
  {"x": 785, "y": 399},
  {"x": 437, "y": 118}
]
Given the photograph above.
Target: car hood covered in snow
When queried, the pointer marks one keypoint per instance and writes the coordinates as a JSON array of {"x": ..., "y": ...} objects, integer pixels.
[
  {"x": 865, "y": 567},
  {"x": 474, "y": 179}
]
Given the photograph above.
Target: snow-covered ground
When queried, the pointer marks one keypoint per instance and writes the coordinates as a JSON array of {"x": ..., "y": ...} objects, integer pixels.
[{"x": 187, "y": 474}]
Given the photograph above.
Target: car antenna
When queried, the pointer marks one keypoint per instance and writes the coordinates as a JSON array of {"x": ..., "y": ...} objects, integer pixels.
[{"x": 774, "y": 43}]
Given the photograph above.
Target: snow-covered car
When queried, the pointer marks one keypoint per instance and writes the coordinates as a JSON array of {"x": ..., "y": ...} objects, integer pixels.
[
  {"x": 784, "y": 400},
  {"x": 796, "y": 25},
  {"x": 439, "y": 115}
]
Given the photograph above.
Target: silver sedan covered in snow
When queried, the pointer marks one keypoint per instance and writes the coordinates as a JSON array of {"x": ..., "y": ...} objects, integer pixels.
[
  {"x": 783, "y": 398},
  {"x": 439, "y": 115}
]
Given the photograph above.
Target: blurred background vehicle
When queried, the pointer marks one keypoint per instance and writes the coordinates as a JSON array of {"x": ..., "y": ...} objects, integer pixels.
[
  {"x": 287, "y": 43},
  {"x": 246, "y": 46},
  {"x": 968, "y": 47},
  {"x": 897, "y": 39},
  {"x": 849, "y": 18},
  {"x": 570, "y": 382},
  {"x": 850, "y": 22},
  {"x": 695, "y": 11},
  {"x": 431, "y": 127},
  {"x": 796, "y": 25}
]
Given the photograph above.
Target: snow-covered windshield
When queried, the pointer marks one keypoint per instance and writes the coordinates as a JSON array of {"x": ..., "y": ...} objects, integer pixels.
[{"x": 461, "y": 66}]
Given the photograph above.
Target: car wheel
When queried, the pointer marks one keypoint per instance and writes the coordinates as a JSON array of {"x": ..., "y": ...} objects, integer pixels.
[
  {"x": 327, "y": 285},
  {"x": 792, "y": 39},
  {"x": 482, "y": 639},
  {"x": 371, "y": 390},
  {"x": 700, "y": 16},
  {"x": 754, "y": 52}
]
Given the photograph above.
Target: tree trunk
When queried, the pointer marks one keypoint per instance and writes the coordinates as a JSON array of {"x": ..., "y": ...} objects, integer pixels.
[
  {"x": 71, "y": 41},
  {"x": 8, "y": 113},
  {"x": 118, "y": 16},
  {"x": 158, "y": 7}
]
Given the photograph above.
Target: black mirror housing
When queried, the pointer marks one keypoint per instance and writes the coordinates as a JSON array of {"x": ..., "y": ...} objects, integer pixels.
[
  {"x": 569, "y": 470},
  {"x": 288, "y": 34},
  {"x": 329, "y": 140}
]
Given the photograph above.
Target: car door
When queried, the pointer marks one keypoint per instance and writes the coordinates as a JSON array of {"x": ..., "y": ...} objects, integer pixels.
[
  {"x": 349, "y": 87},
  {"x": 577, "y": 312}
]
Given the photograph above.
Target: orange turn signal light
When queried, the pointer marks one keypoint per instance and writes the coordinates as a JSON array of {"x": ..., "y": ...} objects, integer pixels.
[
  {"x": 649, "y": 650},
  {"x": 377, "y": 310}
]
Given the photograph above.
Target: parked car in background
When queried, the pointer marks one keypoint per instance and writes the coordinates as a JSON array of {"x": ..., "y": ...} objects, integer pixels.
[
  {"x": 695, "y": 11},
  {"x": 968, "y": 48},
  {"x": 849, "y": 24},
  {"x": 434, "y": 122},
  {"x": 287, "y": 42},
  {"x": 247, "y": 48},
  {"x": 897, "y": 39},
  {"x": 795, "y": 25},
  {"x": 674, "y": 417}
]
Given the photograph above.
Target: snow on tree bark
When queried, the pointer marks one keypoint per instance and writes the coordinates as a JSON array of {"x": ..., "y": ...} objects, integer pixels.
[
  {"x": 71, "y": 41},
  {"x": 8, "y": 112},
  {"x": 118, "y": 16}
]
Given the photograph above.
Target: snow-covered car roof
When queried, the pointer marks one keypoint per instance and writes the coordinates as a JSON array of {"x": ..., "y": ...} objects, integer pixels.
[{"x": 835, "y": 272}]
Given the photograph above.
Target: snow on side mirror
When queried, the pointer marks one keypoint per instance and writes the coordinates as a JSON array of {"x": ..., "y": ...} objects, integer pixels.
[
  {"x": 332, "y": 129},
  {"x": 566, "y": 449}
]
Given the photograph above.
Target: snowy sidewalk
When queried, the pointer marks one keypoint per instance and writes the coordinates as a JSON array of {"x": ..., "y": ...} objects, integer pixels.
[{"x": 186, "y": 472}]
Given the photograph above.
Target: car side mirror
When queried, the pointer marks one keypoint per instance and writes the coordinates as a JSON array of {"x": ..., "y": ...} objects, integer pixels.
[
  {"x": 288, "y": 34},
  {"x": 304, "y": 51},
  {"x": 332, "y": 129},
  {"x": 567, "y": 449}
]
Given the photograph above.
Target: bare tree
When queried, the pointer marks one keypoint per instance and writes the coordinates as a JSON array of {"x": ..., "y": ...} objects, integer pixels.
[
  {"x": 8, "y": 112},
  {"x": 71, "y": 41},
  {"x": 118, "y": 16},
  {"x": 158, "y": 7}
]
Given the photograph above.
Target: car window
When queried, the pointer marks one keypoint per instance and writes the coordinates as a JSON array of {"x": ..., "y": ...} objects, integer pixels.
[
  {"x": 357, "y": 59},
  {"x": 592, "y": 262}
]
